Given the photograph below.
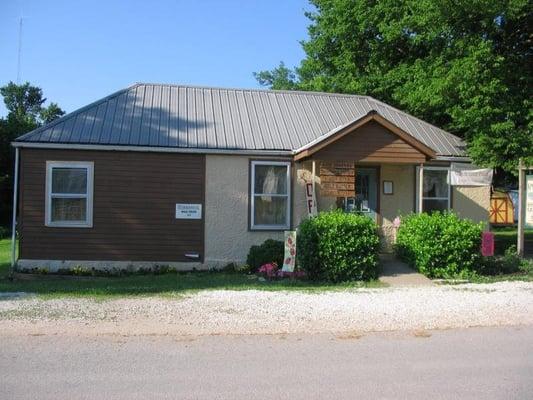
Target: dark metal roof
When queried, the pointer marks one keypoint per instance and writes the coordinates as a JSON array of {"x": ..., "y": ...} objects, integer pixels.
[{"x": 162, "y": 115}]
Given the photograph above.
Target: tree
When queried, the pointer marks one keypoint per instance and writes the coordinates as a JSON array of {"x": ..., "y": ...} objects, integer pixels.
[
  {"x": 462, "y": 65},
  {"x": 280, "y": 78},
  {"x": 26, "y": 112}
]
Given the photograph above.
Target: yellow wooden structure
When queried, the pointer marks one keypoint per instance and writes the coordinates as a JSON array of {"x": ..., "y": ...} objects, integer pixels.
[{"x": 501, "y": 208}]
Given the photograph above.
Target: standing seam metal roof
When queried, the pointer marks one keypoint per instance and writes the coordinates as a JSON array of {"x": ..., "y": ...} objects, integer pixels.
[{"x": 163, "y": 115}]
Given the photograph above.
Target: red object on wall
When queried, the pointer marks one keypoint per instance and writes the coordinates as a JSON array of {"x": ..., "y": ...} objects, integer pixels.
[{"x": 487, "y": 244}]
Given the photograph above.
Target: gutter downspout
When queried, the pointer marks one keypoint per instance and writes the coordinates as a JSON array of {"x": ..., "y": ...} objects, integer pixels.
[{"x": 14, "y": 221}]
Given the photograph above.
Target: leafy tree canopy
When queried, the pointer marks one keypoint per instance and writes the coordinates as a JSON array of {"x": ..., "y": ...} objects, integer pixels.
[
  {"x": 26, "y": 111},
  {"x": 24, "y": 104},
  {"x": 463, "y": 65}
]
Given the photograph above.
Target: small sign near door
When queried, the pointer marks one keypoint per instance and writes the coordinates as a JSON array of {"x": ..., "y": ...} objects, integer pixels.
[{"x": 188, "y": 211}]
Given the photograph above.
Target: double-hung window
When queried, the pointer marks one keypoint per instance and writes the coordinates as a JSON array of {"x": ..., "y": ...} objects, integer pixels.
[
  {"x": 436, "y": 189},
  {"x": 270, "y": 195},
  {"x": 69, "y": 194}
]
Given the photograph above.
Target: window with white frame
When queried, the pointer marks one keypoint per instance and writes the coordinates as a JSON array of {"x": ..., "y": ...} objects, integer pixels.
[
  {"x": 69, "y": 194},
  {"x": 436, "y": 189},
  {"x": 270, "y": 195}
]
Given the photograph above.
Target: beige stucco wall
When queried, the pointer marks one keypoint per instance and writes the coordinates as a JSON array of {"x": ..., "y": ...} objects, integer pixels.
[
  {"x": 472, "y": 202},
  {"x": 227, "y": 238},
  {"x": 402, "y": 200}
]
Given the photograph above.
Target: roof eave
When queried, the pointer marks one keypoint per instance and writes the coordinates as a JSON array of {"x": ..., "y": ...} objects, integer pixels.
[{"x": 154, "y": 149}]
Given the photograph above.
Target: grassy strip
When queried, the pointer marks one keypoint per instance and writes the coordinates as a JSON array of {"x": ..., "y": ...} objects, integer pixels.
[
  {"x": 506, "y": 237},
  {"x": 170, "y": 284}
]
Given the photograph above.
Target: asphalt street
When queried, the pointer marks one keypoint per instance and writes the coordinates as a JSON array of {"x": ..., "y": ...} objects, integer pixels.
[{"x": 475, "y": 363}]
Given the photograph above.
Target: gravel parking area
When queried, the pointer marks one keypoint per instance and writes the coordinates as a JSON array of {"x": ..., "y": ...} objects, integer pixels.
[{"x": 263, "y": 312}]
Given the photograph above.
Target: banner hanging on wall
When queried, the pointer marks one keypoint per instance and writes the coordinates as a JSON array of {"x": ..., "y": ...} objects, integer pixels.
[
  {"x": 310, "y": 199},
  {"x": 469, "y": 175}
]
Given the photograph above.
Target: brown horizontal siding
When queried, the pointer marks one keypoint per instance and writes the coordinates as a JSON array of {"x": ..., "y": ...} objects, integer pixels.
[
  {"x": 134, "y": 207},
  {"x": 371, "y": 143}
]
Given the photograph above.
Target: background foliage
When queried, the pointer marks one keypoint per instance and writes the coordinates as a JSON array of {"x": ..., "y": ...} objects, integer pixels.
[
  {"x": 463, "y": 65},
  {"x": 26, "y": 111}
]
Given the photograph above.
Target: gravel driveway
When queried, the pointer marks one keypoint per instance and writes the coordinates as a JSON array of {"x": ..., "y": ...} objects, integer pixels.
[{"x": 263, "y": 312}]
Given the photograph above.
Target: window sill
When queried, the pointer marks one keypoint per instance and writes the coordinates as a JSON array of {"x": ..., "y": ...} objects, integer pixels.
[
  {"x": 267, "y": 228},
  {"x": 67, "y": 225}
]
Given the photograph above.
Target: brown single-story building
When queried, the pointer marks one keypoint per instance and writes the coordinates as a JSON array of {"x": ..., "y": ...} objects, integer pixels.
[{"x": 194, "y": 176}]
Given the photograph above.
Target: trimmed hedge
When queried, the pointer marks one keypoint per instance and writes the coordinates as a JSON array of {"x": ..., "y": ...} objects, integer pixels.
[
  {"x": 269, "y": 251},
  {"x": 440, "y": 245},
  {"x": 336, "y": 246}
]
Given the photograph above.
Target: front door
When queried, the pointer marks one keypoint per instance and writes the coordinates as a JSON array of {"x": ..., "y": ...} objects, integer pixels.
[{"x": 366, "y": 189}]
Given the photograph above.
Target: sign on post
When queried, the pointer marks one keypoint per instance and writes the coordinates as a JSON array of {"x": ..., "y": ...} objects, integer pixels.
[
  {"x": 529, "y": 201},
  {"x": 487, "y": 244},
  {"x": 289, "y": 261}
]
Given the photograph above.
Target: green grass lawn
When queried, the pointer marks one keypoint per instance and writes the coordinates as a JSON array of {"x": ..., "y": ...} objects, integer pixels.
[
  {"x": 5, "y": 255},
  {"x": 175, "y": 284},
  {"x": 505, "y": 237},
  {"x": 171, "y": 284}
]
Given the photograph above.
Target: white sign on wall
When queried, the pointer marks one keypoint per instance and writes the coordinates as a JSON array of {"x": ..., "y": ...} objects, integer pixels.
[
  {"x": 188, "y": 211},
  {"x": 529, "y": 201}
]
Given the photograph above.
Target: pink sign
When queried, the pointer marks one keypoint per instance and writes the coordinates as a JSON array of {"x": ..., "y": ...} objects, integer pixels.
[{"x": 487, "y": 244}]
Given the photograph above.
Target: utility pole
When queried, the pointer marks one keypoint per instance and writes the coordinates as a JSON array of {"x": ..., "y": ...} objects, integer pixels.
[{"x": 19, "y": 49}]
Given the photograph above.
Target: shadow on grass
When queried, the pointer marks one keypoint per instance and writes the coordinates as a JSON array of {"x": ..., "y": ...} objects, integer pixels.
[{"x": 170, "y": 284}]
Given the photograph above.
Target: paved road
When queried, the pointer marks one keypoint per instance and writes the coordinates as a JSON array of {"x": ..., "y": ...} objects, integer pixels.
[{"x": 478, "y": 363}]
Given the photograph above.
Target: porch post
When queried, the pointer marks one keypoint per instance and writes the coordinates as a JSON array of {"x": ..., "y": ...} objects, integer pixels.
[
  {"x": 313, "y": 175},
  {"x": 420, "y": 187}
]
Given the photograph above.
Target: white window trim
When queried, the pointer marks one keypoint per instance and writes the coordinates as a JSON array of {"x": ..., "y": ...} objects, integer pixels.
[
  {"x": 428, "y": 168},
  {"x": 89, "y": 166},
  {"x": 252, "y": 194}
]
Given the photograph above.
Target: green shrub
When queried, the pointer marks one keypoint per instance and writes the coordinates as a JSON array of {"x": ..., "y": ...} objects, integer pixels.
[
  {"x": 509, "y": 263},
  {"x": 4, "y": 232},
  {"x": 337, "y": 247},
  {"x": 440, "y": 245},
  {"x": 270, "y": 251}
]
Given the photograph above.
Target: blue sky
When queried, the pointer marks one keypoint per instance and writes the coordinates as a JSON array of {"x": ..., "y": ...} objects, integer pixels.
[{"x": 80, "y": 51}]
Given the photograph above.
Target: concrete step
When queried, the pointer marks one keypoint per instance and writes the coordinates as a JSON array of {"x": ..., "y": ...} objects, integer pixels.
[{"x": 396, "y": 273}]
